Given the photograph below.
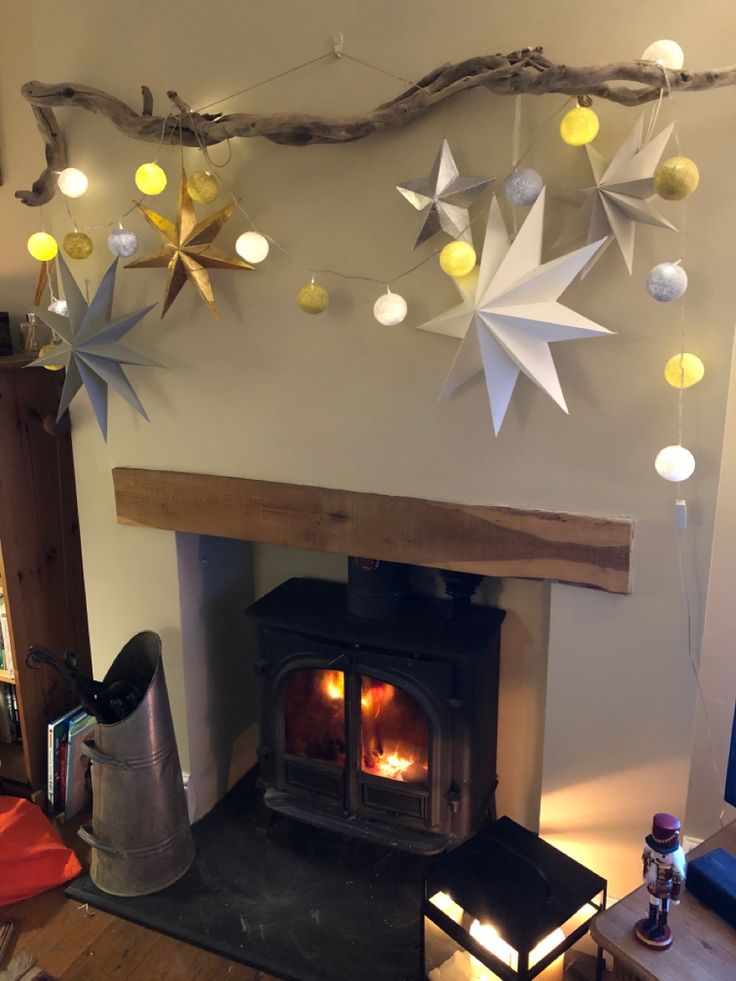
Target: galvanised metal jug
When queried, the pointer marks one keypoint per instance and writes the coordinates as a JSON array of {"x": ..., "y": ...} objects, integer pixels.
[{"x": 140, "y": 835}]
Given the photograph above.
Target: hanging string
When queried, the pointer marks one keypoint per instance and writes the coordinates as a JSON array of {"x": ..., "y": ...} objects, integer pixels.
[
  {"x": 265, "y": 81},
  {"x": 693, "y": 657},
  {"x": 515, "y": 147}
]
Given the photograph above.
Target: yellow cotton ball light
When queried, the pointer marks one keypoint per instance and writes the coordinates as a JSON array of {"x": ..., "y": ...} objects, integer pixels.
[
  {"x": 676, "y": 178},
  {"x": 312, "y": 298},
  {"x": 203, "y": 187},
  {"x": 252, "y": 246},
  {"x": 72, "y": 182},
  {"x": 42, "y": 246},
  {"x": 44, "y": 352},
  {"x": 675, "y": 463},
  {"x": 684, "y": 370},
  {"x": 457, "y": 259},
  {"x": 579, "y": 126},
  {"x": 150, "y": 178},
  {"x": 77, "y": 245}
]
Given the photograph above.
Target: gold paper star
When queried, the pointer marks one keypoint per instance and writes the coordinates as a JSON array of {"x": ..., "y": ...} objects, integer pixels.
[{"x": 187, "y": 251}]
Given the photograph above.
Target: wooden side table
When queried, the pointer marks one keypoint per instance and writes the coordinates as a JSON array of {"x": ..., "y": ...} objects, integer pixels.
[{"x": 704, "y": 945}]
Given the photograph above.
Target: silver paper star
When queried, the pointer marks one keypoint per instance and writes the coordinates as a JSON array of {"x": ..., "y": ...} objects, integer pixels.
[
  {"x": 509, "y": 313},
  {"x": 429, "y": 195},
  {"x": 90, "y": 350},
  {"x": 621, "y": 195}
]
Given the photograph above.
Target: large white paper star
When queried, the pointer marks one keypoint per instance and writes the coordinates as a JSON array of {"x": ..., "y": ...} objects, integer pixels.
[
  {"x": 621, "y": 195},
  {"x": 91, "y": 350},
  {"x": 430, "y": 195},
  {"x": 509, "y": 313}
]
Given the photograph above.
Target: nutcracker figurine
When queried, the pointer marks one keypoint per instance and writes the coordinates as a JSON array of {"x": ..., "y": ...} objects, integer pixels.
[{"x": 664, "y": 875}]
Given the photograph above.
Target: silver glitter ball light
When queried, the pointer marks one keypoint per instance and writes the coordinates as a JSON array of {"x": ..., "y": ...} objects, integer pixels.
[
  {"x": 60, "y": 307},
  {"x": 122, "y": 242},
  {"x": 523, "y": 186},
  {"x": 666, "y": 282}
]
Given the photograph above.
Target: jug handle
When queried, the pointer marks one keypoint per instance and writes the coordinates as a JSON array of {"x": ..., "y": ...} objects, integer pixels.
[
  {"x": 97, "y": 756},
  {"x": 88, "y": 836}
]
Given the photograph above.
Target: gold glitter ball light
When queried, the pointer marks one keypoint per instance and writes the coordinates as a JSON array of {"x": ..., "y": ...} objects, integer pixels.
[
  {"x": 312, "y": 298},
  {"x": 78, "y": 245},
  {"x": 202, "y": 187},
  {"x": 676, "y": 178}
]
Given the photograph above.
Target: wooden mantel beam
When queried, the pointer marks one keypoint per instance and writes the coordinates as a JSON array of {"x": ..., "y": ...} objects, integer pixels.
[
  {"x": 493, "y": 541},
  {"x": 524, "y": 72}
]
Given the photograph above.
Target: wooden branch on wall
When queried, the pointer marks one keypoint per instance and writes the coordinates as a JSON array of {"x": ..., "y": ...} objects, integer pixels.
[
  {"x": 526, "y": 72},
  {"x": 579, "y": 549}
]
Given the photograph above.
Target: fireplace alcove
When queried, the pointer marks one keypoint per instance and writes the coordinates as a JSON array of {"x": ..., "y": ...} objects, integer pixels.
[{"x": 300, "y": 901}]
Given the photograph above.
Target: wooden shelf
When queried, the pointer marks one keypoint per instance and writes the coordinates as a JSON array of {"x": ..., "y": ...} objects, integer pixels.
[
  {"x": 12, "y": 362},
  {"x": 6, "y": 678},
  {"x": 12, "y": 764}
]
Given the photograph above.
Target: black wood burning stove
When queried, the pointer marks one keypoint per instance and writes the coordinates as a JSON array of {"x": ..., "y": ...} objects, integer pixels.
[{"x": 385, "y": 728}]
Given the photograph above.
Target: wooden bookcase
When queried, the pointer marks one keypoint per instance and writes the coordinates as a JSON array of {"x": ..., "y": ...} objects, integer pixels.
[{"x": 40, "y": 560}]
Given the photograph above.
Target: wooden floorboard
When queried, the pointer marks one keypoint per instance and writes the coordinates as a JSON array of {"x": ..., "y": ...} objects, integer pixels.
[{"x": 76, "y": 943}]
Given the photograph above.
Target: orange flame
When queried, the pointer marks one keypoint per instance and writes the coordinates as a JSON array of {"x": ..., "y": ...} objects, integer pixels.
[{"x": 333, "y": 685}]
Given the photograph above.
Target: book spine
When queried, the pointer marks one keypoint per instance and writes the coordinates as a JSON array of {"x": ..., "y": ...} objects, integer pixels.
[
  {"x": 8, "y": 651},
  {"x": 50, "y": 769}
]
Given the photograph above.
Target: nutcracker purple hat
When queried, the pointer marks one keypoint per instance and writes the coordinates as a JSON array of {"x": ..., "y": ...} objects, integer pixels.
[{"x": 665, "y": 836}]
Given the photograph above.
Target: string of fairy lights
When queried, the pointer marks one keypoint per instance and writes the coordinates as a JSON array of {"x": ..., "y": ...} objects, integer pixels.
[{"x": 674, "y": 180}]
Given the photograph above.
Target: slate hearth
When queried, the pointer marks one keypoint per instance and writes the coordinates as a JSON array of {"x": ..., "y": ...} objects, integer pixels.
[{"x": 296, "y": 901}]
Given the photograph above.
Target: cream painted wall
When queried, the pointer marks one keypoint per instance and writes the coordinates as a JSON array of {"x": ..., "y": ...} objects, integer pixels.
[{"x": 339, "y": 401}]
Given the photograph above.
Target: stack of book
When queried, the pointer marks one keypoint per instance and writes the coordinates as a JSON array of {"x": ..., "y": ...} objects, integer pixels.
[
  {"x": 69, "y": 786},
  {"x": 6, "y": 652},
  {"x": 9, "y": 717}
]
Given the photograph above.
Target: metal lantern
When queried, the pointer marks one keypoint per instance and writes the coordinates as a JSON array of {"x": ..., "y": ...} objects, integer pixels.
[{"x": 505, "y": 904}]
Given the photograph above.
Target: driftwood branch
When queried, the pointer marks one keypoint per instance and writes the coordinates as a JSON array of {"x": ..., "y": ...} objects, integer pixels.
[{"x": 526, "y": 72}]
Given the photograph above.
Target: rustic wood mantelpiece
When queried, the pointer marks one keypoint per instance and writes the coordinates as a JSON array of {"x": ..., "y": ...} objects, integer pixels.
[{"x": 582, "y": 550}]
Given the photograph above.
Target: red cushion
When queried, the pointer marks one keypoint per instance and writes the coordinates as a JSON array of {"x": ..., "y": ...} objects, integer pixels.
[{"x": 32, "y": 857}]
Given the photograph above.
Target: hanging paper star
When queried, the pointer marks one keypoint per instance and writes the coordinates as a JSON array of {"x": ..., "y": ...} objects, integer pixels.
[
  {"x": 621, "y": 194},
  {"x": 188, "y": 251},
  {"x": 430, "y": 195},
  {"x": 509, "y": 313},
  {"x": 91, "y": 350}
]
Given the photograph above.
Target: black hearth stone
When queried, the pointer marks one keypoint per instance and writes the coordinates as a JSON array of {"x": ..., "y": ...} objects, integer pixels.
[{"x": 301, "y": 903}]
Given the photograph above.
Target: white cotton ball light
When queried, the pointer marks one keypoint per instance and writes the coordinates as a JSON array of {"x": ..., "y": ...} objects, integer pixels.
[
  {"x": 121, "y": 241},
  {"x": 72, "y": 182},
  {"x": 60, "y": 307},
  {"x": 390, "y": 309},
  {"x": 252, "y": 246},
  {"x": 667, "y": 281},
  {"x": 668, "y": 54},
  {"x": 675, "y": 463},
  {"x": 523, "y": 186}
]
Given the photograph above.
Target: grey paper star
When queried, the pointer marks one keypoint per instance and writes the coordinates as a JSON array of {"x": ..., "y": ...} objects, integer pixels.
[
  {"x": 430, "y": 195},
  {"x": 509, "y": 313},
  {"x": 621, "y": 195},
  {"x": 91, "y": 350}
]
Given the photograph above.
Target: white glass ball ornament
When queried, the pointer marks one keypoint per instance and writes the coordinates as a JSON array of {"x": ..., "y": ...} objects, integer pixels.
[
  {"x": 666, "y": 281},
  {"x": 121, "y": 241},
  {"x": 668, "y": 54},
  {"x": 675, "y": 463},
  {"x": 72, "y": 182},
  {"x": 252, "y": 246},
  {"x": 390, "y": 309},
  {"x": 60, "y": 307},
  {"x": 523, "y": 186}
]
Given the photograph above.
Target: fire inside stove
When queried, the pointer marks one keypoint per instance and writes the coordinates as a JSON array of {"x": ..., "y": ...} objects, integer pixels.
[{"x": 394, "y": 732}]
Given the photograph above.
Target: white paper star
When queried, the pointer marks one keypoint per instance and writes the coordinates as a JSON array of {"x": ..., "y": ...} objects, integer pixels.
[
  {"x": 621, "y": 195},
  {"x": 429, "y": 194},
  {"x": 91, "y": 352},
  {"x": 509, "y": 313}
]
